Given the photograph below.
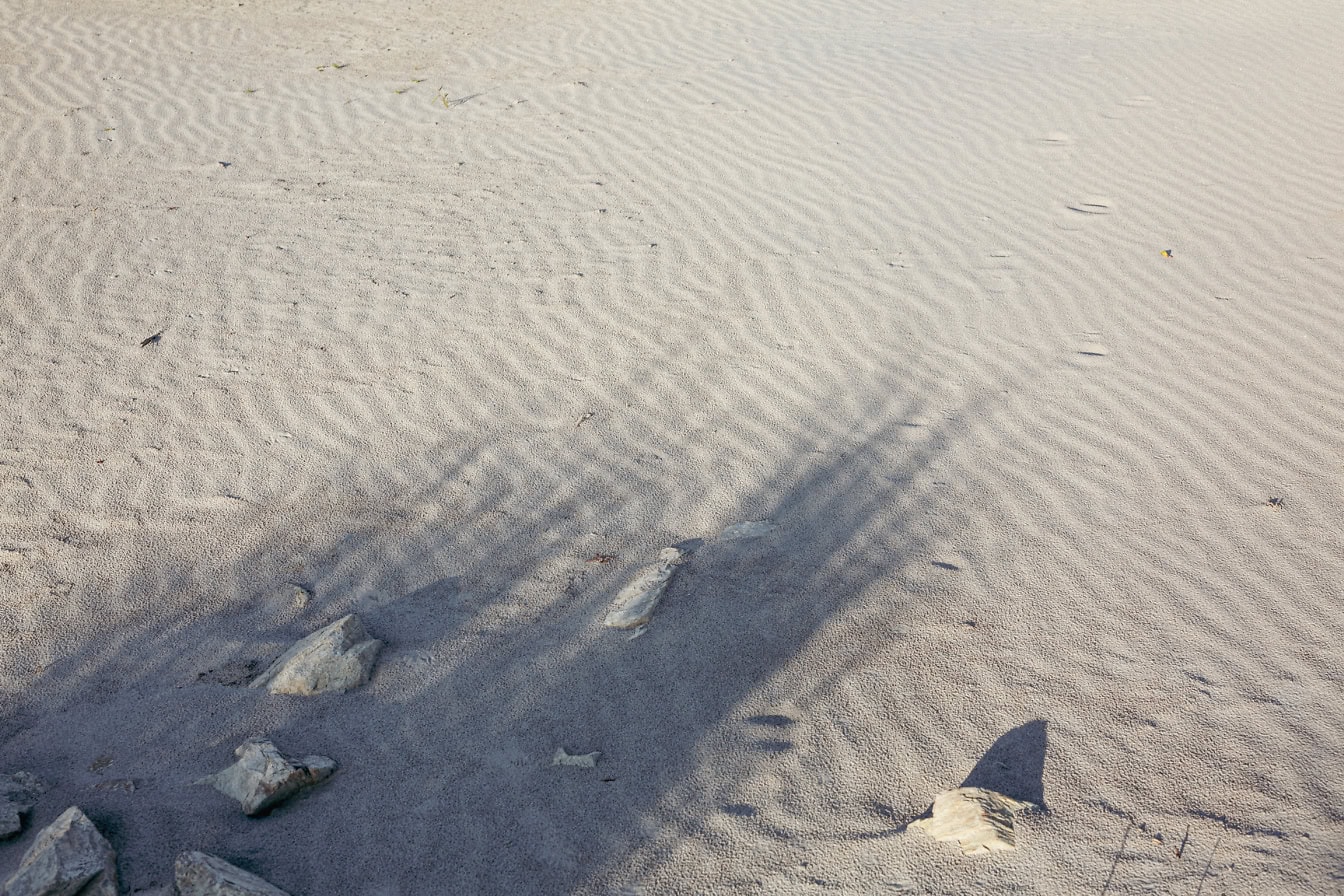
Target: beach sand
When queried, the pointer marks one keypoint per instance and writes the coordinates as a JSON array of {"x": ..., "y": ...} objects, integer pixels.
[{"x": 1022, "y": 322}]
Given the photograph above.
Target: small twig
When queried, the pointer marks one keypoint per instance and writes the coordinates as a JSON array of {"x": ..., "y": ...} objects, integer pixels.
[
  {"x": 1118, "y": 853},
  {"x": 1180, "y": 850},
  {"x": 1207, "y": 866}
]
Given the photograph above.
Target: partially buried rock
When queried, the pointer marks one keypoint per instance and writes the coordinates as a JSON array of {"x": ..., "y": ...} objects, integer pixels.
[
  {"x": 979, "y": 820},
  {"x": 579, "y": 760},
  {"x": 635, "y": 604},
  {"x": 18, "y": 795},
  {"x": 68, "y": 858},
  {"x": 262, "y": 778},
  {"x": 199, "y": 874},
  {"x": 331, "y": 660}
]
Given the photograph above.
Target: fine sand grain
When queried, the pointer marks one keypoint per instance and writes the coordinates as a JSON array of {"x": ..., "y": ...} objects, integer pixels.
[{"x": 1021, "y": 322}]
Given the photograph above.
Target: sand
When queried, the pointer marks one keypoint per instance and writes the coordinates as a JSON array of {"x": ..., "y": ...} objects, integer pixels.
[{"x": 1012, "y": 317}]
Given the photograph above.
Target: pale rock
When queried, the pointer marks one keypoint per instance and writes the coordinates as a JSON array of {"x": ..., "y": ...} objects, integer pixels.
[
  {"x": 750, "y": 529},
  {"x": 262, "y": 778},
  {"x": 18, "y": 795},
  {"x": 334, "y": 659},
  {"x": 636, "y": 602},
  {"x": 579, "y": 760},
  {"x": 198, "y": 874},
  {"x": 980, "y": 821},
  {"x": 68, "y": 858}
]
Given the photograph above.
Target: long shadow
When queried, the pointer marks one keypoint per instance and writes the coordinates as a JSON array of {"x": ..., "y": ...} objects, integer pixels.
[{"x": 446, "y": 756}]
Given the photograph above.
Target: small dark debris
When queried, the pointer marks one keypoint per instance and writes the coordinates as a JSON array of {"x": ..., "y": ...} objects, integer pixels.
[
  {"x": 949, "y": 566},
  {"x": 152, "y": 340},
  {"x": 601, "y": 558},
  {"x": 226, "y": 164},
  {"x": 1277, "y": 503}
]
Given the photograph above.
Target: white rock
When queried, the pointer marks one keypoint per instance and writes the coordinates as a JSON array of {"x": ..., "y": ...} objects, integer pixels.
[
  {"x": 330, "y": 660},
  {"x": 751, "y": 529},
  {"x": 979, "y": 820},
  {"x": 198, "y": 874},
  {"x": 68, "y": 858},
  {"x": 262, "y": 778},
  {"x": 18, "y": 795},
  {"x": 635, "y": 604},
  {"x": 581, "y": 760}
]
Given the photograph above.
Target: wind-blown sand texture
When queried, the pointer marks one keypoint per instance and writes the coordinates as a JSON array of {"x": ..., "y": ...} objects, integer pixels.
[{"x": 465, "y": 311}]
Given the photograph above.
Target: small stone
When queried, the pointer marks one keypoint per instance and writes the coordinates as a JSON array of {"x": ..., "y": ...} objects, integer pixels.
[
  {"x": 636, "y": 602},
  {"x": 579, "y": 760},
  {"x": 751, "y": 529},
  {"x": 262, "y": 778},
  {"x": 68, "y": 858},
  {"x": 331, "y": 660},
  {"x": 199, "y": 874},
  {"x": 979, "y": 820},
  {"x": 18, "y": 795}
]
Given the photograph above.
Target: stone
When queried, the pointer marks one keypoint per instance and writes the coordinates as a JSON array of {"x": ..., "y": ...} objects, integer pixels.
[
  {"x": 334, "y": 659},
  {"x": 636, "y": 602},
  {"x": 262, "y": 778},
  {"x": 579, "y": 760},
  {"x": 978, "y": 820},
  {"x": 198, "y": 874},
  {"x": 750, "y": 529},
  {"x": 18, "y": 795},
  {"x": 68, "y": 858}
]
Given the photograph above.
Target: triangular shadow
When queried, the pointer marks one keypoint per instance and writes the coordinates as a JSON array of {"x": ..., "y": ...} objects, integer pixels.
[{"x": 1015, "y": 765}]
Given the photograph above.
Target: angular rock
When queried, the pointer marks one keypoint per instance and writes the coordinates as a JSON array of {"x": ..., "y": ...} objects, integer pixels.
[
  {"x": 636, "y": 602},
  {"x": 262, "y": 778},
  {"x": 18, "y": 795},
  {"x": 68, "y": 858},
  {"x": 198, "y": 874},
  {"x": 334, "y": 659},
  {"x": 980, "y": 821}
]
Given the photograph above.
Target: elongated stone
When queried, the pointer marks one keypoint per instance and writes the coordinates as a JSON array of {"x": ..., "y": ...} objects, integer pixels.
[
  {"x": 68, "y": 858},
  {"x": 635, "y": 603},
  {"x": 199, "y": 874},
  {"x": 262, "y": 778},
  {"x": 579, "y": 760},
  {"x": 334, "y": 659},
  {"x": 978, "y": 820}
]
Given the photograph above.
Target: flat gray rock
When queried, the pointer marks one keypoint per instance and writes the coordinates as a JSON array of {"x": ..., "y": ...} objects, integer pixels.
[
  {"x": 18, "y": 795},
  {"x": 262, "y": 778},
  {"x": 334, "y": 659},
  {"x": 636, "y": 602},
  {"x": 750, "y": 529},
  {"x": 198, "y": 874},
  {"x": 68, "y": 858},
  {"x": 978, "y": 820}
]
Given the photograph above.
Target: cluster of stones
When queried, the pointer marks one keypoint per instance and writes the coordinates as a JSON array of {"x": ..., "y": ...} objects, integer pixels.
[{"x": 70, "y": 857}]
